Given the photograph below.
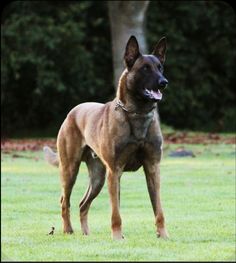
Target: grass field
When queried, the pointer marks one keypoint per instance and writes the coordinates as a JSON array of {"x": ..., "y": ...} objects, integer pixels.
[{"x": 198, "y": 196}]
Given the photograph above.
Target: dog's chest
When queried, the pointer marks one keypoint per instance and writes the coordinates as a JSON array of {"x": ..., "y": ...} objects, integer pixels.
[
  {"x": 131, "y": 150},
  {"x": 139, "y": 125}
]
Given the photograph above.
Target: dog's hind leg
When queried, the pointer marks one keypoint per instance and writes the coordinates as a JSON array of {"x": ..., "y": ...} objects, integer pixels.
[
  {"x": 70, "y": 150},
  {"x": 96, "y": 181}
]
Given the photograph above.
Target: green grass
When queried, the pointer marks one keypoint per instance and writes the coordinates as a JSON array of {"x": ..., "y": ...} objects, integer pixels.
[{"x": 198, "y": 196}]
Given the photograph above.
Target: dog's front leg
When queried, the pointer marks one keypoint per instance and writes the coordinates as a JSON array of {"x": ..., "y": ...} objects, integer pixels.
[
  {"x": 152, "y": 172},
  {"x": 113, "y": 180}
]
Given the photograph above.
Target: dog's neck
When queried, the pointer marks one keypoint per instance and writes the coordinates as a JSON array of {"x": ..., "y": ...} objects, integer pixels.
[
  {"x": 121, "y": 89},
  {"x": 131, "y": 103}
]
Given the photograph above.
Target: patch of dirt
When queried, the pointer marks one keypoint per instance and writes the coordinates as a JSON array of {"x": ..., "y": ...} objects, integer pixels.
[
  {"x": 198, "y": 138},
  {"x": 9, "y": 145}
]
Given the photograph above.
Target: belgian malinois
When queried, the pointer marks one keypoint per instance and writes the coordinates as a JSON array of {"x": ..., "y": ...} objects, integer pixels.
[{"x": 121, "y": 135}]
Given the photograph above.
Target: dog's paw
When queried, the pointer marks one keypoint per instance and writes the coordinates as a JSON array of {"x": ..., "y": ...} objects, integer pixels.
[
  {"x": 117, "y": 236},
  {"x": 68, "y": 230},
  {"x": 85, "y": 232},
  {"x": 84, "y": 228},
  {"x": 162, "y": 233}
]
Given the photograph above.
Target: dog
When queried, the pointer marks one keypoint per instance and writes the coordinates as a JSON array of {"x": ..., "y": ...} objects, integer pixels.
[{"x": 121, "y": 135}]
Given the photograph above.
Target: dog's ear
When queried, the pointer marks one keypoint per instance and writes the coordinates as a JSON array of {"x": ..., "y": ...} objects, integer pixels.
[
  {"x": 131, "y": 52},
  {"x": 160, "y": 50}
]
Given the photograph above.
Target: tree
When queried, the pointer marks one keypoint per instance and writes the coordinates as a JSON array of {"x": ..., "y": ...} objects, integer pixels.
[{"x": 126, "y": 18}]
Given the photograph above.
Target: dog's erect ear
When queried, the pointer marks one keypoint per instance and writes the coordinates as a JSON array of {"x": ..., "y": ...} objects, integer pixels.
[
  {"x": 131, "y": 52},
  {"x": 160, "y": 50}
]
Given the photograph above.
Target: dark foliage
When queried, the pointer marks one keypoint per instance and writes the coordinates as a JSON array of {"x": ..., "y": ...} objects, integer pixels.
[
  {"x": 54, "y": 56},
  {"x": 201, "y": 62}
]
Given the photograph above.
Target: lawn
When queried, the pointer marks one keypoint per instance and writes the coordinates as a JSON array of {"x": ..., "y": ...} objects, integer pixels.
[{"x": 198, "y": 196}]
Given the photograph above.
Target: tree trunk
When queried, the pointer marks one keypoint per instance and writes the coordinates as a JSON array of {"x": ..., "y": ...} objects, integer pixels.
[{"x": 126, "y": 18}]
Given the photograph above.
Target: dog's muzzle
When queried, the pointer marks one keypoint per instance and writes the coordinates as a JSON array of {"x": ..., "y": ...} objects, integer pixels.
[
  {"x": 155, "y": 94},
  {"x": 163, "y": 83}
]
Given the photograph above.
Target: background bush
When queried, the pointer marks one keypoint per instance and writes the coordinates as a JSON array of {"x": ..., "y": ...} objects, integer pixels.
[
  {"x": 58, "y": 54},
  {"x": 55, "y": 55},
  {"x": 200, "y": 63}
]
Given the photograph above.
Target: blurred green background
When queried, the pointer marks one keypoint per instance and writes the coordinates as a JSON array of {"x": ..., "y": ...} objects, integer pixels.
[{"x": 57, "y": 54}]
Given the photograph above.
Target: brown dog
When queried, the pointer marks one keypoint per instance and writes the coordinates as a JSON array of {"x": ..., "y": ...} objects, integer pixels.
[{"x": 121, "y": 135}]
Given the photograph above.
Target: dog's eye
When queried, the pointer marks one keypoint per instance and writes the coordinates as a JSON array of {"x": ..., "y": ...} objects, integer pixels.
[{"x": 146, "y": 67}]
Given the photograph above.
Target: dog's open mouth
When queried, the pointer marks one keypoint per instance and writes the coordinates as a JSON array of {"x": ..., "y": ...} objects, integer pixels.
[{"x": 153, "y": 94}]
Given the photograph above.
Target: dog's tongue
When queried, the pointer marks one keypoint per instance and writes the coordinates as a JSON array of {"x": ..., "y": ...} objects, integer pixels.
[{"x": 157, "y": 95}]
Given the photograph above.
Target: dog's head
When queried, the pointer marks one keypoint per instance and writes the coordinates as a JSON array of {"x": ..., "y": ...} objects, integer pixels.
[{"x": 145, "y": 79}]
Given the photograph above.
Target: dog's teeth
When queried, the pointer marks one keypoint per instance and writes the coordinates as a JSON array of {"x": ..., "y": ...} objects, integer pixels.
[{"x": 155, "y": 94}]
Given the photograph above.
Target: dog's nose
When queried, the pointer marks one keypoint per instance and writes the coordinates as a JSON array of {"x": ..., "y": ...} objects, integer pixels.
[{"x": 163, "y": 83}]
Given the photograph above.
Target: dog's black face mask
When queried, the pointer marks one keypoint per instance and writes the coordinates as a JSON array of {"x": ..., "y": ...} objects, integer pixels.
[{"x": 145, "y": 79}]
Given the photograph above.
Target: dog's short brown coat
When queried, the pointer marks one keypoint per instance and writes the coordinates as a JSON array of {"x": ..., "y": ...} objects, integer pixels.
[{"x": 118, "y": 136}]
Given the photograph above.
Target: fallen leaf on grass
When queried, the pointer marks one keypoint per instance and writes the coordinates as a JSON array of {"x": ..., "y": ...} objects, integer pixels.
[{"x": 181, "y": 152}]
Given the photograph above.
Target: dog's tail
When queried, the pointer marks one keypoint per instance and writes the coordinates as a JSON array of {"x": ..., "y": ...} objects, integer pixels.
[{"x": 50, "y": 156}]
